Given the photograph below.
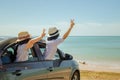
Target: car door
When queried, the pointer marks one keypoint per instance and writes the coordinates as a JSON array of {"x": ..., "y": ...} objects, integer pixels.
[
  {"x": 60, "y": 69},
  {"x": 56, "y": 70},
  {"x": 24, "y": 71},
  {"x": 33, "y": 69},
  {"x": 5, "y": 74}
]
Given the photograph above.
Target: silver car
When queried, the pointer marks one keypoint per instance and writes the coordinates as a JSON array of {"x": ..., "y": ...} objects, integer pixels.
[{"x": 62, "y": 67}]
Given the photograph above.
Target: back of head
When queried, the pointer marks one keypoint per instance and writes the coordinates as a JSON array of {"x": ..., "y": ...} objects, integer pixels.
[
  {"x": 53, "y": 33},
  {"x": 53, "y": 38}
]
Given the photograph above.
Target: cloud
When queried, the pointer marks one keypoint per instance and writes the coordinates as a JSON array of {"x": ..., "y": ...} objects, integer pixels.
[
  {"x": 97, "y": 29},
  {"x": 80, "y": 29},
  {"x": 13, "y": 30}
]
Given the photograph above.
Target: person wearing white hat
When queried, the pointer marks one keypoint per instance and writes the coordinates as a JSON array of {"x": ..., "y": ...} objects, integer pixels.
[
  {"x": 25, "y": 44},
  {"x": 53, "y": 41}
]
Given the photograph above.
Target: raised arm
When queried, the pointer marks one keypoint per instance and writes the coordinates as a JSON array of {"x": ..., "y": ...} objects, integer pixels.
[
  {"x": 32, "y": 41},
  {"x": 69, "y": 30}
]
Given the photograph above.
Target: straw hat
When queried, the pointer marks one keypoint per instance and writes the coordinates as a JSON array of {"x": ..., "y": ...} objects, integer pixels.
[
  {"x": 23, "y": 35},
  {"x": 53, "y": 31}
]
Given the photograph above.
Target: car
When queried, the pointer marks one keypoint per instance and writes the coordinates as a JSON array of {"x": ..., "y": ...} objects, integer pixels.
[{"x": 62, "y": 67}]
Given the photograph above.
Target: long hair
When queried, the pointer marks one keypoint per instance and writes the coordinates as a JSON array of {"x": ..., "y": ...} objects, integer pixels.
[{"x": 53, "y": 38}]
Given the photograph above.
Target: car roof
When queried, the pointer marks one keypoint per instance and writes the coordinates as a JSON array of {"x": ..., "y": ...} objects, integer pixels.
[{"x": 5, "y": 42}]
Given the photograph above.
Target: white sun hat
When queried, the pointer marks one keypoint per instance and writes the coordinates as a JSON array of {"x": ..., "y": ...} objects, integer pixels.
[{"x": 53, "y": 31}]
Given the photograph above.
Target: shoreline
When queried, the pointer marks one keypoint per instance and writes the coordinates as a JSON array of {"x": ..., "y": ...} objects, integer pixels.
[
  {"x": 98, "y": 67},
  {"x": 98, "y": 72}
]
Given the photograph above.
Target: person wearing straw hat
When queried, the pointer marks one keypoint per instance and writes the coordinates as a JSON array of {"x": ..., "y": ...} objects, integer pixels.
[
  {"x": 53, "y": 41},
  {"x": 25, "y": 43}
]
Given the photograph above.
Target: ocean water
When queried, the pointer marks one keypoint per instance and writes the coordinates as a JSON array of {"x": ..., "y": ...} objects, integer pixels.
[{"x": 103, "y": 50}]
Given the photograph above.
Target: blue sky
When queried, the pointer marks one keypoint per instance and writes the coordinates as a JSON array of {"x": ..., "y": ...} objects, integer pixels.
[{"x": 92, "y": 17}]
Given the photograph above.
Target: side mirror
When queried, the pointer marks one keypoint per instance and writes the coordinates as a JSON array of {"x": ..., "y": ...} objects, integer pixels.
[{"x": 68, "y": 57}]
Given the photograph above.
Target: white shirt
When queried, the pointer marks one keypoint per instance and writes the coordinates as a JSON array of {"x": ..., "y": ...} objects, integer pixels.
[
  {"x": 51, "y": 48},
  {"x": 22, "y": 54}
]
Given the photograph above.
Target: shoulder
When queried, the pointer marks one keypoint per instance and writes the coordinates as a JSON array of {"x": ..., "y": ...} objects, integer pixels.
[{"x": 61, "y": 39}]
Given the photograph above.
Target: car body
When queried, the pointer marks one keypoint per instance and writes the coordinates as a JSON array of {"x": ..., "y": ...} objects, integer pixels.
[{"x": 62, "y": 67}]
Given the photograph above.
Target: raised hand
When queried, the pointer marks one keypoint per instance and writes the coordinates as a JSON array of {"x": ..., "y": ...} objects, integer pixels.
[
  {"x": 69, "y": 30},
  {"x": 43, "y": 33},
  {"x": 72, "y": 23}
]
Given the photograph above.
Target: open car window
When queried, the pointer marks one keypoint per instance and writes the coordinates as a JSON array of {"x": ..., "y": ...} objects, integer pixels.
[
  {"x": 9, "y": 55},
  {"x": 56, "y": 56}
]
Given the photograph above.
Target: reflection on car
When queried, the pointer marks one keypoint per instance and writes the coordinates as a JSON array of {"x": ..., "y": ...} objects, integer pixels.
[{"x": 62, "y": 67}]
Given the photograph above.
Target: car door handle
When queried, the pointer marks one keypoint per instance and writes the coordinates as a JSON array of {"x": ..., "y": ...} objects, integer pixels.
[
  {"x": 17, "y": 73},
  {"x": 50, "y": 69}
]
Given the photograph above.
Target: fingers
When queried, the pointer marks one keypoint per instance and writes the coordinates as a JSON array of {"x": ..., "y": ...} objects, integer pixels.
[
  {"x": 72, "y": 20},
  {"x": 43, "y": 34},
  {"x": 43, "y": 30}
]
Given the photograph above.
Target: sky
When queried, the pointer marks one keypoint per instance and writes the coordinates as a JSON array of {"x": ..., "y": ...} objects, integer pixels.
[{"x": 91, "y": 17}]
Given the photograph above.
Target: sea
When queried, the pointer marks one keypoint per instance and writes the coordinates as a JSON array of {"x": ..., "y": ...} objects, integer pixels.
[{"x": 102, "y": 50}]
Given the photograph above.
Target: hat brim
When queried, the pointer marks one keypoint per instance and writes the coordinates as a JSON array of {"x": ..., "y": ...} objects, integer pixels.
[
  {"x": 21, "y": 39},
  {"x": 53, "y": 34}
]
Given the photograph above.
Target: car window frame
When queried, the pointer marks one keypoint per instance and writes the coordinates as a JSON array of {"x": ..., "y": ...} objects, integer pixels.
[{"x": 12, "y": 45}]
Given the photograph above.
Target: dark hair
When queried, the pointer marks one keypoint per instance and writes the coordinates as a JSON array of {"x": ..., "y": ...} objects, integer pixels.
[
  {"x": 24, "y": 41},
  {"x": 53, "y": 38}
]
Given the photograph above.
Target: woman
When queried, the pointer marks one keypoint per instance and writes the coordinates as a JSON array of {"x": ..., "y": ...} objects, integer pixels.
[
  {"x": 25, "y": 43},
  {"x": 53, "y": 41}
]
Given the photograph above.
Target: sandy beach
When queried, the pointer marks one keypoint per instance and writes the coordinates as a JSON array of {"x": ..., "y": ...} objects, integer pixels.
[{"x": 98, "y": 72}]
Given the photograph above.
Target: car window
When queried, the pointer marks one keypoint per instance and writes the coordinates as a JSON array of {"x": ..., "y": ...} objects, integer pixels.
[
  {"x": 10, "y": 52},
  {"x": 42, "y": 50},
  {"x": 31, "y": 55},
  {"x": 56, "y": 56},
  {"x": 7, "y": 55}
]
